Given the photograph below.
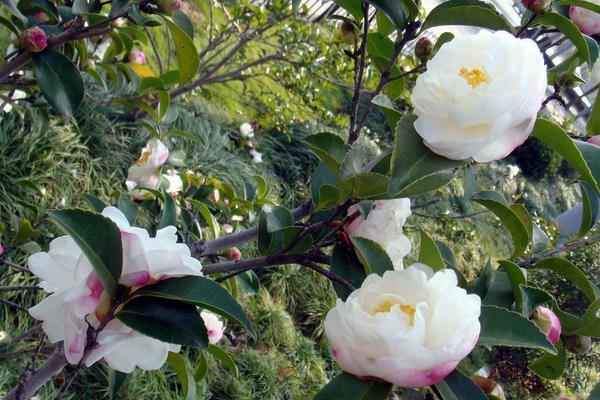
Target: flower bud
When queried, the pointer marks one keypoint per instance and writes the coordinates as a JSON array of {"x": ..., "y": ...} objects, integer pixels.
[
  {"x": 423, "y": 48},
  {"x": 177, "y": 5},
  {"x": 214, "y": 326},
  {"x": 214, "y": 196},
  {"x": 33, "y": 39},
  {"x": 537, "y": 6},
  {"x": 137, "y": 57},
  {"x": 548, "y": 323},
  {"x": 347, "y": 32},
  {"x": 119, "y": 22},
  {"x": 227, "y": 228},
  {"x": 578, "y": 344},
  {"x": 41, "y": 16},
  {"x": 233, "y": 254},
  {"x": 587, "y": 21},
  {"x": 167, "y": 6},
  {"x": 595, "y": 140}
]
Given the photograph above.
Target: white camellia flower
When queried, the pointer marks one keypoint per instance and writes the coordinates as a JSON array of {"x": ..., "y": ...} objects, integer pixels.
[
  {"x": 214, "y": 326},
  {"x": 77, "y": 293},
  {"x": 246, "y": 130},
  {"x": 175, "y": 182},
  {"x": 480, "y": 96},
  {"x": 410, "y": 327},
  {"x": 384, "y": 226},
  {"x": 146, "y": 169}
]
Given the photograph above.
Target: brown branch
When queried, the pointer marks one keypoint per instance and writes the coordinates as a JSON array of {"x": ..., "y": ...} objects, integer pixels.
[
  {"x": 14, "y": 305},
  {"x": 360, "y": 60},
  {"x": 567, "y": 247},
  {"x": 260, "y": 262},
  {"x": 17, "y": 288}
]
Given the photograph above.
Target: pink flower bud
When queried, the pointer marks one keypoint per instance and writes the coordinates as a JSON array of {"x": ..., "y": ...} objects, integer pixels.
[
  {"x": 233, "y": 254},
  {"x": 33, "y": 39},
  {"x": 595, "y": 140},
  {"x": 177, "y": 5},
  {"x": 137, "y": 57},
  {"x": 587, "y": 21},
  {"x": 537, "y": 6},
  {"x": 1, "y": 249},
  {"x": 548, "y": 323},
  {"x": 41, "y": 16}
]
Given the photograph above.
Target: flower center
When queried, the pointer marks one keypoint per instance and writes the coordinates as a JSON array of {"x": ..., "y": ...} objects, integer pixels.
[
  {"x": 474, "y": 77},
  {"x": 144, "y": 157},
  {"x": 386, "y": 305}
]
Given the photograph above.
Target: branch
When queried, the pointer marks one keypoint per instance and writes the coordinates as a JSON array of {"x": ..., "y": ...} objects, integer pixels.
[
  {"x": 267, "y": 261},
  {"x": 52, "y": 367},
  {"x": 16, "y": 288},
  {"x": 561, "y": 249},
  {"x": 359, "y": 69}
]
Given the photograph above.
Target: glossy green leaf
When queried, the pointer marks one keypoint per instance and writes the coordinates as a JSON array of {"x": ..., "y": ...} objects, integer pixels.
[
  {"x": 328, "y": 196},
  {"x": 447, "y": 254},
  {"x": 201, "y": 367},
  {"x": 11, "y": 5},
  {"x": 346, "y": 264},
  {"x": 329, "y": 147},
  {"x": 502, "y": 327},
  {"x": 59, "y": 80},
  {"x": 116, "y": 380},
  {"x": 209, "y": 218},
  {"x": 414, "y": 168},
  {"x": 592, "y": 127},
  {"x": 569, "y": 30},
  {"x": 534, "y": 297},
  {"x": 590, "y": 325},
  {"x": 354, "y": 7},
  {"x": 510, "y": 219},
  {"x": 128, "y": 208},
  {"x": 86, "y": 6},
  {"x": 118, "y": 7},
  {"x": 517, "y": 278},
  {"x": 458, "y": 386},
  {"x": 384, "y": 25},
  {"x": 466, "y": 12},
  {"x": 442, "y": 40},
  {"x": 370, "y": 185},
  {"x": 555, "y": 137},
  {"x": 394, "y": 10},
  {"x": 322, "y": 177},
  {"x": 99, "y": 239},
  {"x": 187, "y": 55},
  {"x": 183, "y": 21},
  {"x": 372, "y": 256},
  {"x": 94, "y": 202},
  {"x": 591, "y": 155},
  {"x": 26, "y": 232},
  {"x": 570, "y": 272},
  {"x": 539, "y": 240},
  {"x": 169, "y": 212},
  {"x": 225, "y": 358},
  {"x": 550, "y": 366},
  {"x": 590, "y": 206},
  {"x": 429, "y": 253},
  {"x": 166, "y": 320},
  {"x": 179, "y": 365},
  {"x": 390, "y": 112},
  {"x": 348, "y": 387}
]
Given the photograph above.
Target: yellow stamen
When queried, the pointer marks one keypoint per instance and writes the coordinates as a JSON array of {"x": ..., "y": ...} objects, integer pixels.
[
  {"x": 387, "y": 305},
  {"x": 474, "y": 77},
  {"x": 144, "y": 157}
]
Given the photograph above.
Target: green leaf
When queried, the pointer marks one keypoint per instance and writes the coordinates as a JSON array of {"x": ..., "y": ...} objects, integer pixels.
[
  {"x": 414, "y": 168},
  {"x": 569, "y": 30},
  {"x": 580, "y": 3},
  {"x": 320, "y": 178},
  {"x": 11, "y": 6},
  {"x": 182, "y": 21},
  {"x": 510, "y": 219},
  {"x": 118, "y": 7},
  {"x": 348, "y": 387},
  {"x": 393, "y": 10},
  {"x": 209, "y": 218},
  {"x": 201, "y": 367},
  {"x": 534, "y": 297},
  {"x": 595, "y": 394},
  {"x": 429, "y": 253},
  {"x": 99, "y": 239},
  {"x": 590, "y": 207},
  {"x": 590, "y": 325},
  {"x": 60, "y": 81},
  {"x": 502, "y": 327},
  {"x": 591, "y": 155},
  {"x": 354, "y": 7},
  {"x": 466, "y": 12},
  {"x": 539, "y": 241},
  {"x": 169, "y": 212},
  {"x": 443, "y": 39},
  {"x": 86, "y": 6},
  {"x": 94, "y": 202},
  {"x": 328, "y": 147},
  {"x": 592, "y": 127},
  {"x": 364, "y": 207},
  {"x": 225, "y": 358},
  {"x": 384, "y": 25},
  {"x": 570, "y": 272},
  {"x": 551, "y": 366},
  {"x": 346, "y": 264},
  {"x": 166, "y": 320},
  {"x": 179, "y": 365},
  {"x": 163, "y": 103},
  {"x": 187, "y": 55},
  {"x": 386, "y": 105},
  {"x": 128, "y": 208},
  {"x": 201, "y": 292},
  {"x": 278, "y": 217},
  {"x": 458, "y": 386},
  {"x": 372, "y": 256},
  {"x": 555, "y": 137},
  {"x": 517, "y": 278},
  {"x": 116, "y": 380},
  {"x": 370, "y": 185},
  {"x": 447, "y": 254},
  {"x": 26, "y": 232}
]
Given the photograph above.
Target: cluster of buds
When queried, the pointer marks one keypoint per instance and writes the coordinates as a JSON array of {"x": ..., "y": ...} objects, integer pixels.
[{"x": 33, "y": 39}]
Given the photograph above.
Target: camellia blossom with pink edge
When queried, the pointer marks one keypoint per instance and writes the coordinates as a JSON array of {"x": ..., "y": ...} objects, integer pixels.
[
  {"x": 409, "y": 327},
  {"x": 548, "y": 323},
  {"x": 384, "y": 226},
  {"x": 77, "y": 294},
  {"x": 588, "y": 21},
  {"x": 480, "y": 96},
  {"x": 214, "y": 326},
  {"x": 146, "y": 169}
]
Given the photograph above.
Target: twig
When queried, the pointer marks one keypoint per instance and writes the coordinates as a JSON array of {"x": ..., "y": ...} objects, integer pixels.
[
  {"x": 14, "y": 305},
  {"x": 16, "y": 288},
  {"x": 154, "y": 49},
  {"x": 329, "y": 275},
  {"x": 360, "y": 58},
  {"x": 253, "y": 263},
  {"x": 583, "y": 242}
]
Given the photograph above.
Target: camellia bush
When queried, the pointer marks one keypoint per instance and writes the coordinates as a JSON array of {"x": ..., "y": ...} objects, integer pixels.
[{"x": 136, "y": 297}]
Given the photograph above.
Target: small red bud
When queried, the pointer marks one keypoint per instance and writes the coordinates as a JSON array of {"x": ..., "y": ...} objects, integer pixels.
[
  {"x": 137, "y": 57},
  {"x": 33, "y": 39},
  {"x": 41, "y": 16},
  {"x": 537, "y": 6},
  {"x": 423, "y": 48},
  {"x": 233, "y": 254}
]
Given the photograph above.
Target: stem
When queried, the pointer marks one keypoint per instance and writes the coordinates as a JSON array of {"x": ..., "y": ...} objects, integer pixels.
[
  {"x": 583, "y": 242},
  {"x": 359, "y": 69},
  {"x": 16, "y": 288},
  {"x": 252, "y": 263}
]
